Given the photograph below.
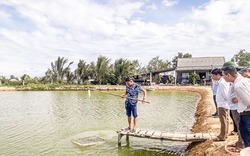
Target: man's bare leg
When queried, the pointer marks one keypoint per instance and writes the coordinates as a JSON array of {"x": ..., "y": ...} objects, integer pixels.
[
  {"x": 135, "y": 122},
  {"x": 129, "y": 122}
]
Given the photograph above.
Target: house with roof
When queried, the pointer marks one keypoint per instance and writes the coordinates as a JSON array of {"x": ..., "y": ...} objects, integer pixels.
[{"x": 199, "y": 65}]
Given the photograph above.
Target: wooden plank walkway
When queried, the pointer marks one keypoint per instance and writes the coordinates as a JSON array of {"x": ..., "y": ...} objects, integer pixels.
[{"x": 152, "y": 134}]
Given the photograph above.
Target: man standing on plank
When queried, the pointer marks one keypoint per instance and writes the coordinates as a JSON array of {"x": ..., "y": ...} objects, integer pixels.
[{"x": 132, "y": 91}]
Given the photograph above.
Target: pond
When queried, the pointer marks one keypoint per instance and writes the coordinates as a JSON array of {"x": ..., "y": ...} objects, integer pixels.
[{"x": 45, "y": 122}]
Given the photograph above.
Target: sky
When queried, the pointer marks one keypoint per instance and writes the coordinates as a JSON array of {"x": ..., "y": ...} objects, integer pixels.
[{"x": 34, "y": 33}]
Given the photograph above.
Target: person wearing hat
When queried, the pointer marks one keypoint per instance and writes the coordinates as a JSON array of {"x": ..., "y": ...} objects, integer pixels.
[
  {"x": 245, "y": 72},
  {"x": 132, "y": 91},
  {"x": 242, "y": 89},
  {"x": 233, "y": 105}
]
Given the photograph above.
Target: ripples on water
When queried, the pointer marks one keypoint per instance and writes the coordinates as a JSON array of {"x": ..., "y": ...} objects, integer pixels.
[{"x": 43, "y": 123}]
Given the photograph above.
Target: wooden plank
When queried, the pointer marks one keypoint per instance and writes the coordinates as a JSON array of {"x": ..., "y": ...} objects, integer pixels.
[
  {"x": 124, "y": 132},
  {"x": 152, "y": 134},
  {"x": 141, "y": 133},
  {"x": 149, "y": 133},
  {"x": 195, "y": 137},
  {"x": 198, "y": 135},
  {"x": 167, "y": 136},
  {"x": 213, "y": 136},
  {"x": 156, "y": 135},
  {"x": 206, "y": 136},
  {"x": 179, "y": 137},
  {"x": 191, "y": 137}
]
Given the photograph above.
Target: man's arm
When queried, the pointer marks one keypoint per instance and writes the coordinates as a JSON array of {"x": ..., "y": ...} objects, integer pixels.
[{"x": 124, "y": 95}]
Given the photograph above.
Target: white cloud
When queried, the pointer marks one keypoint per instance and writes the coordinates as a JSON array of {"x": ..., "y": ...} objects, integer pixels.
[
  {"x": 152, "y": 7},
  {"x": 84, "y": 30},
  {"x": 169, "y": 3}
]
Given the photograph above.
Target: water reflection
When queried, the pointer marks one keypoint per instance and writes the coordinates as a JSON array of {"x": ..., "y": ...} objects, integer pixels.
[{"x": 43, "y": 123}]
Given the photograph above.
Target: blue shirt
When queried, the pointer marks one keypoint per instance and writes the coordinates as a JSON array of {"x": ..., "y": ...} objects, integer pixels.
[
  {"x": 133, "y": 92},
  {"x": 215, "y": 87}
]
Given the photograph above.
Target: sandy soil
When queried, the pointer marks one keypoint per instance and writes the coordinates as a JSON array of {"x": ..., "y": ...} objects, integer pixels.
[
  {"x": 204, "y": 121},
  {"x": 7, "y": 89}
]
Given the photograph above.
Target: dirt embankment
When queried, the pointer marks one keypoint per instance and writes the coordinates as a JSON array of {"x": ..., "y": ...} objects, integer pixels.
[
  {"x": 204, "y": 123},
  {"x": 7, "y": 89}
]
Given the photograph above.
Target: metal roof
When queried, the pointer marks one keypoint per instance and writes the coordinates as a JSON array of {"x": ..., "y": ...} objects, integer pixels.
[{"x": 199, "y": 63}]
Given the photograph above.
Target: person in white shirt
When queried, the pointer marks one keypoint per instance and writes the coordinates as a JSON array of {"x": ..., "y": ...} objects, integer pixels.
[
  {"x": 242, "y": 89},
  {"x": 222, "y": 104},
  {"x": 233, "y": 104}
]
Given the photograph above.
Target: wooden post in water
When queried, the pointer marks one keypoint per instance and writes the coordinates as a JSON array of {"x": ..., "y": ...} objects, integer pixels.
[
  {"x": 119, "y": 139},
  {"x": 127, "y": 137}
]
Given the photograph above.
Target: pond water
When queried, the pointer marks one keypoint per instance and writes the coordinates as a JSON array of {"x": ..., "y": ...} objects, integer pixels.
[{"x": 44, "y": 123}]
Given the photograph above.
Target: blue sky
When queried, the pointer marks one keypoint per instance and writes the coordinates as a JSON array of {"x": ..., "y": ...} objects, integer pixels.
[{"x": 35, "y": 33}]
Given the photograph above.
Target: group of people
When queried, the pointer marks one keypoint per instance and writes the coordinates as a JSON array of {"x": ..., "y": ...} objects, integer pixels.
[{"x": 231, "y": 90}]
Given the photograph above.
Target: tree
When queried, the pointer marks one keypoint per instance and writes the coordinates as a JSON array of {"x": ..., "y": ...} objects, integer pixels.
[
  {"x": 102, "y": 67},
  {"x": 157, "y": 64},
  {"x": 137, "y": 67},
  {"x": 123, "y": 68},
  {"x": 24, "y": 78},
  {"x": 4, "y": 80},
  {"x": 58, "y": 70},
  {"x": 70, "y": 77},
  {"x": 81, "y": 72},
  {"x": 242, "y": 58},
  {"x": 49, "y": 76},
  {"x": 12, "y": 77},
  {"x": 91, "y": 72},
  {"x": 180, "y": 55}
]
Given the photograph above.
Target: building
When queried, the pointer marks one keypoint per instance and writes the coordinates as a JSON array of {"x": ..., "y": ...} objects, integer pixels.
[{"x": 199, "y": 65}]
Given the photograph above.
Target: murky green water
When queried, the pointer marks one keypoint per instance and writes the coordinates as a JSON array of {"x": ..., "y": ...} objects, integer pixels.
[{"x": 44, "y": 123}]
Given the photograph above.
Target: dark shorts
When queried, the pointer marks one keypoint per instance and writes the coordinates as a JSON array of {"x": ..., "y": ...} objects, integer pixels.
[{"x": 131, "y": 109}]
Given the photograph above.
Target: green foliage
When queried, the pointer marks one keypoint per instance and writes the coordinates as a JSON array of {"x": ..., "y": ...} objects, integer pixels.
[
  {"x": 242, "y": 58},
  {"x": 24, "y": 78},
  {"x": 81, "y": 72},
  {"x": 4, "y": 80},
  {"x": 102, "y": 68},
  {"x": 180, "y": 55},
  {"x": 195, "y": 77},
  {"x": 101, "y": 71},
  {"x": 58, "y": 69},
  {"x": 123, "y": 68},
  {"x": 157, "y": 64}
]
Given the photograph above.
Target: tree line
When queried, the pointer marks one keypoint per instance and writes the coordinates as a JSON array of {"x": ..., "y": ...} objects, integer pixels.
[{"x": 103, "y": 71}]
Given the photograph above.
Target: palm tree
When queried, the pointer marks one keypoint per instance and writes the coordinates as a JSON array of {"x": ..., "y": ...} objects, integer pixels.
[
  {"x": 81, "y": 72},
  {"x": 123, "y": 68},
  {"x": 91, "y": 72},
  {"x": 102, "y": 67},
  {"x": 70, "y": 77},
  {"x": 58, "y": 69}
]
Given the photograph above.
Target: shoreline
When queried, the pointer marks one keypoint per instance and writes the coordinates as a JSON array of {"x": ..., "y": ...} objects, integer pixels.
[{"x": 204, "y": 122}]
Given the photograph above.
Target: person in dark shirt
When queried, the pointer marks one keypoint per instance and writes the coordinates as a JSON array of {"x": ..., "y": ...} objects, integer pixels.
[{"x": 132, "y": 91}]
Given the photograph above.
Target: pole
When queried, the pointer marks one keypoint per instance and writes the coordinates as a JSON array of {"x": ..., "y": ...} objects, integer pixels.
[{"x": 120, "y": 96}]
